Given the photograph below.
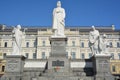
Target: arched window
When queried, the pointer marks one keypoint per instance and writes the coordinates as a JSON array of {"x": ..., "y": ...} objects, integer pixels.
[
  {"x": 5, "y": 45},
  {"x": 73, "y": 43},
  {"x": 43, "y": 43},
  {"x": 43, "y": 55},
  {"x": 82, "y": 44},
  {"x": 27, "y": 44},
  {"x": 113, "y": 69},
  {"x": 26, "y": 55},
  {"x": 73, "y": 55},
  {"x": 90, "y": 55},
  {"x": 3, "y": 68},
  {"x": 34, "y": 55},
  {"x": 82, "y": 56}
]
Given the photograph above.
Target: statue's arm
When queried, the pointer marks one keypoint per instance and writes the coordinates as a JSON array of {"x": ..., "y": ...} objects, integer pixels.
[{"x": 90, "y": 37}]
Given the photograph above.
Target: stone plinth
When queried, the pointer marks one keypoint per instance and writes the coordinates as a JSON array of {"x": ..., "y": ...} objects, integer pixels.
[
  {"x": 57, "y": 59},
  {"x": 58, "y": 46},
  {"x": 14, "y": 67},
  {"x": 101, "y": 66}
]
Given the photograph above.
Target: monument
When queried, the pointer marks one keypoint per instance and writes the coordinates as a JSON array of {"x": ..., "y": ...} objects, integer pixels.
[
  {"x": 58, "y": 41},
  {"x": 101, "y": 58},
  {"x": 58, "y": 66},
  {"x": 15, "y": 61}
]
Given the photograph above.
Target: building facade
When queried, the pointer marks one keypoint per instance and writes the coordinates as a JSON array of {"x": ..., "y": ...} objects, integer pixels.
[{"x": 36, "y": 45}]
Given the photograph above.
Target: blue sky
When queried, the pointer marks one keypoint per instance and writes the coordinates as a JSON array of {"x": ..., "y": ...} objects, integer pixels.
[{"x": 78, "y": 12}]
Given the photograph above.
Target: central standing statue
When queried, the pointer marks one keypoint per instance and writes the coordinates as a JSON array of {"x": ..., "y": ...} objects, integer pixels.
[{"x": 58, "y": 20}]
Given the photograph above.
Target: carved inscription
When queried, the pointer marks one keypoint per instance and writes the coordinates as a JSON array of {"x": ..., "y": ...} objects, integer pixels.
[
  {"x": 58, "y": 63},
  {"x": 58, "y": 47}
]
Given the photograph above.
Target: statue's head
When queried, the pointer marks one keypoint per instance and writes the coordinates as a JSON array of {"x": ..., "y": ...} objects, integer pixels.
[
  {"x": 58, "y": 4},
  {"x": 104, "y": 36},
  {"x": 19, "y": 26},
  {"x": 93, "y": 27}
]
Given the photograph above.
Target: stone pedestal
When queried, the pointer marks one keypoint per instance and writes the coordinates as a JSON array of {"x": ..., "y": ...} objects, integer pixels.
[
  {"x": 101, "y": 66},
  {"x": 14, "y": 67},
  {"x": 57, "y": 60}
]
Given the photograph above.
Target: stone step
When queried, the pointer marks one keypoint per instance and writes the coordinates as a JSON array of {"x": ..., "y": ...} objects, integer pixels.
[{"x": 58, "y": 74}]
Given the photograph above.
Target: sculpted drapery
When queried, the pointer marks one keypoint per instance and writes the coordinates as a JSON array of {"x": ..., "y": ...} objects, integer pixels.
[
  {"x": 58, "y": 20},
  {"x": 97, "y": 44},
  {"x": 18, "y": 35}
]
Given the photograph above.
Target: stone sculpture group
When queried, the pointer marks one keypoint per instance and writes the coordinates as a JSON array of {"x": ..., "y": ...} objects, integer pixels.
[{"x": 97, "y": 44}]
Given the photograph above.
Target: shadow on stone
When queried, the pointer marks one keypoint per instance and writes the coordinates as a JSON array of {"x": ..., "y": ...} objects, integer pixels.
[{"x": 88, "y": 70}]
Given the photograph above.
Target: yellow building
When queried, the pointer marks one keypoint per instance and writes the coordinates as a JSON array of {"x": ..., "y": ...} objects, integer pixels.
[
  {"x": 115, "y": 67},
  {"x": 2, "y": 67}
]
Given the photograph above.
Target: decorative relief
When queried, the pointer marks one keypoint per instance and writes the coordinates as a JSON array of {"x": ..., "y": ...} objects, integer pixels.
[
  {"x": 12, "y": 65},
  {"x": 104, "y": 65}
]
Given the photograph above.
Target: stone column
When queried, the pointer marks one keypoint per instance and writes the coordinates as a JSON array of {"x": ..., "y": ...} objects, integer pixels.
[
  {"x": 101, "y": 66},
  {"x": 14, "y": 67}
]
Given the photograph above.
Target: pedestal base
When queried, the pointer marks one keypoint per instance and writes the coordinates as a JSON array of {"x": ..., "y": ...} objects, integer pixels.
[
  {"x": 57, "y": 59},
  {"x": 14, "y": 67},
  {"x": 101, "y": 63}
]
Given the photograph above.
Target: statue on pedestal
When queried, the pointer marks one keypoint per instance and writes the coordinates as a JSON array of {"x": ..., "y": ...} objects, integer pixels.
[
  {"x": 18, "y": 36},
  {"x": 58, "y": 20},
  {"x": 97, "y": 44}
]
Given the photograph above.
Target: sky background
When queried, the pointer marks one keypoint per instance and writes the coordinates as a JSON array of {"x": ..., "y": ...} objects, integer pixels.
[{"x": 78, "y": 12}]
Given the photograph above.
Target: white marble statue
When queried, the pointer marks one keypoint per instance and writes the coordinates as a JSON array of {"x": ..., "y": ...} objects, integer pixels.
[
  {"x": 104, "y": 44},
  {"x": 97, "y": 44},
  {"x": 18, "y": 36},
  {"x": 94, "y": 40},
  {"x": 58, "y": 20}
]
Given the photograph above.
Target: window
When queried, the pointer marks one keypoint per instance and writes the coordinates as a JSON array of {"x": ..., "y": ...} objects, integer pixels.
[
  {"x": 27, "y": 55},
  {"x": 27, "y": 44},
  {"x": 4, "y": 55},
  {"x": 73, "y": 29},
  {"x": 43, "y": 55},
  {"x": 119, "y": 56},
  {"x": 112, "y": 56},
  {"x": 43, "y": 29},
  {"x": 3, "y": 68},
  {"x": 34, "y": 55},
  {"x": 113, "y": 69},
  {"x": 90, "y": 55},
  {"x": 82, "y": 56},
  {"x": 118, "y": 45},
  {"x": 111, "y": 44},
  {"x": 5, "y": 45},
  {"x": 73, "y": 43},
  {"x": 35, "y": 44},
  {"x": 67, "y": 54},
  {"x": 43, "y": 43},
  {"x": 82, "y": 44},
  {"x": 73, "y": 55}
]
